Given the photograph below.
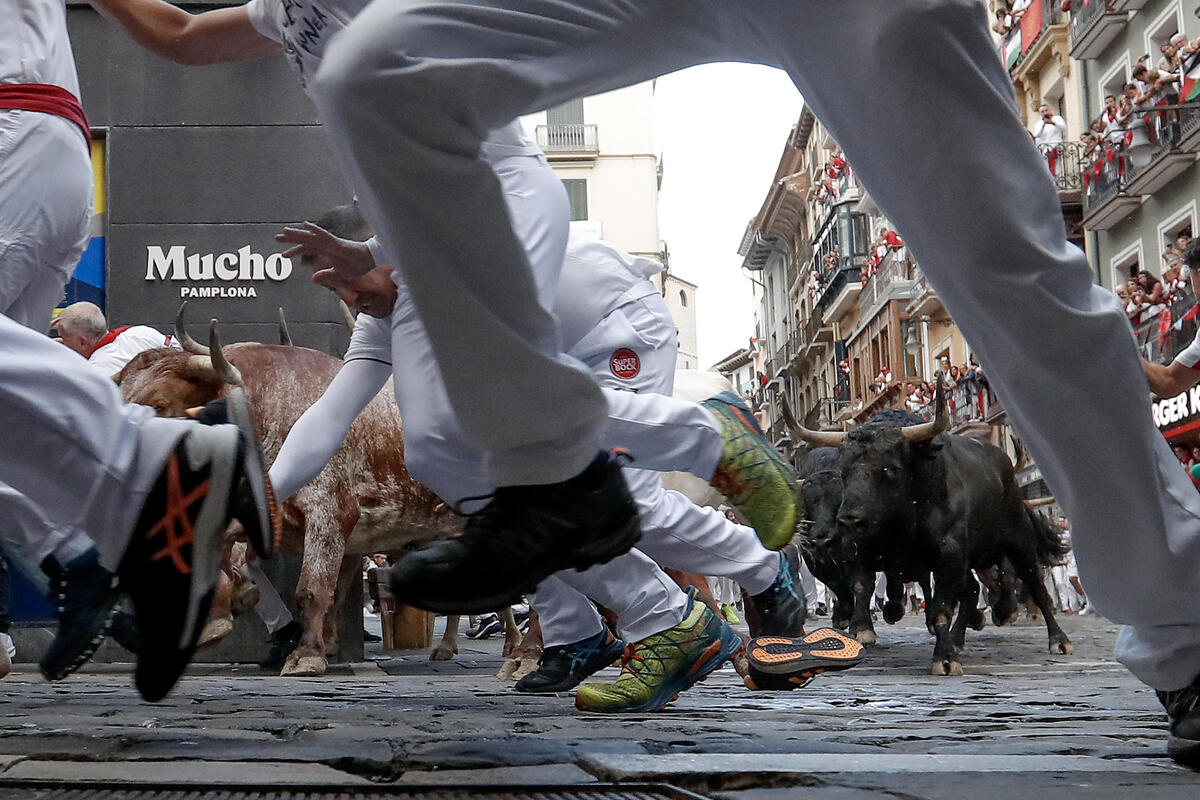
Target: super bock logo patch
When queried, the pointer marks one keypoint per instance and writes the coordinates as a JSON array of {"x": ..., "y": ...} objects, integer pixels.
[{"x": 625, "y": 363}]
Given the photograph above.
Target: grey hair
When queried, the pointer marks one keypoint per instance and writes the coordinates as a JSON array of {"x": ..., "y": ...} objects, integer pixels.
[{"x": 83, "y": 319}]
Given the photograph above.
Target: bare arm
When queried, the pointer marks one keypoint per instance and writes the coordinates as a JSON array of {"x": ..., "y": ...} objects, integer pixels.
[
  {"x": 1170, "y": 380},
  {"x": 211, "y": 37}
]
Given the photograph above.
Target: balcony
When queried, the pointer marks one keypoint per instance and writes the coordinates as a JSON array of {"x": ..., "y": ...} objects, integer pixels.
[
  {"x": 1163, "y": 336},
  {"x": 840, "y": 289},
  {"x": 568, "y": 140},
  {"x": 779, "y": 435},
  {"x": 1164, "y": 159},
  {"x": 1066, "y": 165},
  {"x": 1107, "y": 199},
  {"x": 925, "y": 300},
  {"x": 1093, "y": 27},
  {"x": 1027, "y": 46},
  {"x": 1127, "y": 5},
  {"x": 893, "y": 280},
  {"x": 824, "y": 412}
]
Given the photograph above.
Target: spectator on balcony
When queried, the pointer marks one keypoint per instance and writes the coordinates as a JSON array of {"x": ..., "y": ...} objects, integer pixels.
[
  {"x": 1174, "y": 284},
  {"x": 1049, "y": 129},
  {"x": 1003, "y": 24},
  {"x": 1151, "y": 294},
  {"x": 913, "y": 400}
]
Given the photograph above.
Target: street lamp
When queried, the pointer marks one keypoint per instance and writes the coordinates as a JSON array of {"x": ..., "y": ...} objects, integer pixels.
[{"x": 911, "y": 345}]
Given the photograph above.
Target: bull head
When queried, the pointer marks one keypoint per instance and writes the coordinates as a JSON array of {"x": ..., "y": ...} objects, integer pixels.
[
  {"x": 284, "y": 337},
  {"x": 941, "y": 418},
  {"x": 814, "y": 438},
  {"x": 347, "y": 315}
]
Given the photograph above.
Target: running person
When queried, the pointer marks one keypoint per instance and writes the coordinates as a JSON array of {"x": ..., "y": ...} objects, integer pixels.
[
  {"x": 583, "y": 520},
  {"x": 407, "y": 90},
  {"x": 623, "y": 330}
]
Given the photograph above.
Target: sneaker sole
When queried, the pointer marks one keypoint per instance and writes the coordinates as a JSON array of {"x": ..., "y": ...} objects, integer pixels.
[
  {"x": 777, "y": 662},
  {"x": 264, "y": 538},
  {"x": 713, "y": 657}
]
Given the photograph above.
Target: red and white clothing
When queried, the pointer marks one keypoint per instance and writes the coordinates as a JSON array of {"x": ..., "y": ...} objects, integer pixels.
[
  {"x": 1190, "y": 355},
  {"x": 118, "y": 347},
  {"x": 45, "y": 164}
]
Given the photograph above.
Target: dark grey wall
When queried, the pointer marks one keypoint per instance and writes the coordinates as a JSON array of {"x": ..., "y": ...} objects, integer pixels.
[{"x": 213, "y": 159}]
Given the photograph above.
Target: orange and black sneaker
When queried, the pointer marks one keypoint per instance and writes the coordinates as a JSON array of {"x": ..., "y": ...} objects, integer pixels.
[
  {"x": 780, "y": 663},
  {"x": 171, "y": 564}
]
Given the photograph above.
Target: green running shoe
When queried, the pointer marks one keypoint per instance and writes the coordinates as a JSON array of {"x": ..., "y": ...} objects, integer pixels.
[
  {"x": 752, "y": 475},
  {"x": 655, "y": 670},
  {"x": 730, "y": 615}
]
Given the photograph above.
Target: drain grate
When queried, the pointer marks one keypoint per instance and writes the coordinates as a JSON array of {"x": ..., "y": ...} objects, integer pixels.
[{"x": 64, "y": 791}]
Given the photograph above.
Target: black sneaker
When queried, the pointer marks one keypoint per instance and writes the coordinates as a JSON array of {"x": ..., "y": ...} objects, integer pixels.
[
  {"x": 85, "y": 597},
  {"x": 124, "y": 628},
  {"x": 170, "y": 567},
  {"x": 488, "y": 626},
  {"x": 780, "y": 610},
  {"x": 566, "y": 666},
  {"x": 255, "y": 492},
  {"x": 524, "y": 535},
  {"x": 781, "y": 663},
  {"x": 371, "y": 637},
  {"x": 283, "y": 642},
  {"x": 1183, "y": 709}
]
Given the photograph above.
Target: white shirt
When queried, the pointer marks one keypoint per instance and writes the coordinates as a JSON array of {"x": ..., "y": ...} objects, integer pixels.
[
  {"x": 112, "y": 357},
  {"x": 1049, "y": 133},
  {"x": 1190, "y": 357},
  {"x": 596, "y": 278},
  {"x": 34, "y": 47},
  {"x": 304, "y": 28}
]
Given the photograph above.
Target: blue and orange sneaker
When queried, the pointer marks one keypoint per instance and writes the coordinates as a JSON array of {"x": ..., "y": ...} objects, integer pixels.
[{"x": 566, "y": 666}]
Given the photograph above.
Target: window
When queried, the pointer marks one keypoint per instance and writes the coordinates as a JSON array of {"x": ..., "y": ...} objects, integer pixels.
[
  {"x": 577, "y": 194},
  {"x": 1127, "y": 263},
  {"x": 569, "y": 113},
  {"x": 682, "y": 298}
]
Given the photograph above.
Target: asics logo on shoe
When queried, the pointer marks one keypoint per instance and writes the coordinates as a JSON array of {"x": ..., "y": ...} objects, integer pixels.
[{"x": 175, "y": 524}]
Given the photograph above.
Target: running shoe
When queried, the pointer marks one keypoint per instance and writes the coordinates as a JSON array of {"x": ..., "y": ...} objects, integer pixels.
[
  {"x": 170, "y": 567},
  {"x": 1183, "y": 712},
  {"x": 730, "y": 614},
  {"x": 754, "y": 478},
  {"x": 564, "y": 667},
  {"x": 655, "y": 670},
  {"x": 525, "y": 534},
  {"x": 780, "y": 609},
  {"x": 781, "y": 663},
  {"x": 85, "y": 598},
  {"x": 282, "y": 643}
]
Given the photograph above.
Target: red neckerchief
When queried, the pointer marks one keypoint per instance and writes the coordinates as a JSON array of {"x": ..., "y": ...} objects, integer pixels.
[{"x": 109, "y": 338}]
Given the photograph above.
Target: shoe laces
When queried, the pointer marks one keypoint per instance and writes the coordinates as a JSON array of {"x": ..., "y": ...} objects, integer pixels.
[{"x": 644, "y": 660}]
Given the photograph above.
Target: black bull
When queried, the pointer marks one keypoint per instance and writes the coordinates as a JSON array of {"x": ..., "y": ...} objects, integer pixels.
[{"x": 901, "y": 496}]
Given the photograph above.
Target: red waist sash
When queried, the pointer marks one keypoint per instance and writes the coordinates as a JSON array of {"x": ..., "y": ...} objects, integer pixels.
[{"x": 48, "y": 99}]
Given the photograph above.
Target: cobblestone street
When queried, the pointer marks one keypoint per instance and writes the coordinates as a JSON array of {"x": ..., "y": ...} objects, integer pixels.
[{"x": 1077, "y": 726}]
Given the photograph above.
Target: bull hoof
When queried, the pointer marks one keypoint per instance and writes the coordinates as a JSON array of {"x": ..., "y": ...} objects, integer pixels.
[
  {"x": 741, "y": 662},
  {"x": 839, "y": 623},
  {"x": 867, "y": 638},
  {"x": 527, "y": 665},
  {"x": 443, "y": 652},
  {"x": 245, "y": 599},
  {"x": 893, "y": 613},
  {"x": 1062, "y": 646},
  {"x": 304, "y": 666},
  {"x": 978, "y": 622},
  {"x": 947, "y": 668},
  {"x": 214, "y": 631},
  {"x": 508, "y": 670}
]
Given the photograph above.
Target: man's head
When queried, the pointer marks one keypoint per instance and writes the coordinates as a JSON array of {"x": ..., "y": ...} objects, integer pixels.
[
  {"x": 1044, "y": 110},
  {"x": 1131, "y": 89},
  {"x": 81, "y": 325},
  {"x": 373, "y": 293}
]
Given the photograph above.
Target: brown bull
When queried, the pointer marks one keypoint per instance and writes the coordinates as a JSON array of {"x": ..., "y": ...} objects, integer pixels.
[{"x": 363, "y": 502}]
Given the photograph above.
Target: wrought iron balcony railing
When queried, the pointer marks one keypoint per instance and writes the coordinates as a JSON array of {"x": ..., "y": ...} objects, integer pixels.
[{"x": 568, "y": 138}]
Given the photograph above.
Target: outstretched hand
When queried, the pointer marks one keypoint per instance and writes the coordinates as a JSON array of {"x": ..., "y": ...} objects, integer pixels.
[{"x": 333, "y": 259}]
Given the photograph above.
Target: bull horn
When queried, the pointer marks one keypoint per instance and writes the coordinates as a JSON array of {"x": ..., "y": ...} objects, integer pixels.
[
  {"x": 187, "y": 342},
  {"x": 941, "y": 418},
  {"x": 284, "y": 337},
  {"x": 1038, "y": 502},
  {"x": 347, "y": 314},
  {"x": 225, "y": 371},
  {"x": 815, "y": 438}
]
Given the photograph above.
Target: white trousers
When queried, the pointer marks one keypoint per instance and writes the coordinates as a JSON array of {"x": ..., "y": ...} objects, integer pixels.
[
  {"x": 45, "y": 223},
  {"x": 72, "y": 450},
  {"x": 45, "y": 212},
  {"x": 408, "y": 87}
]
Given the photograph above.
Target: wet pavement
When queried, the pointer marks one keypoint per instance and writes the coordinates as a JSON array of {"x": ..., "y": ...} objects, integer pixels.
[{"x": 1021, "y": 719}]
